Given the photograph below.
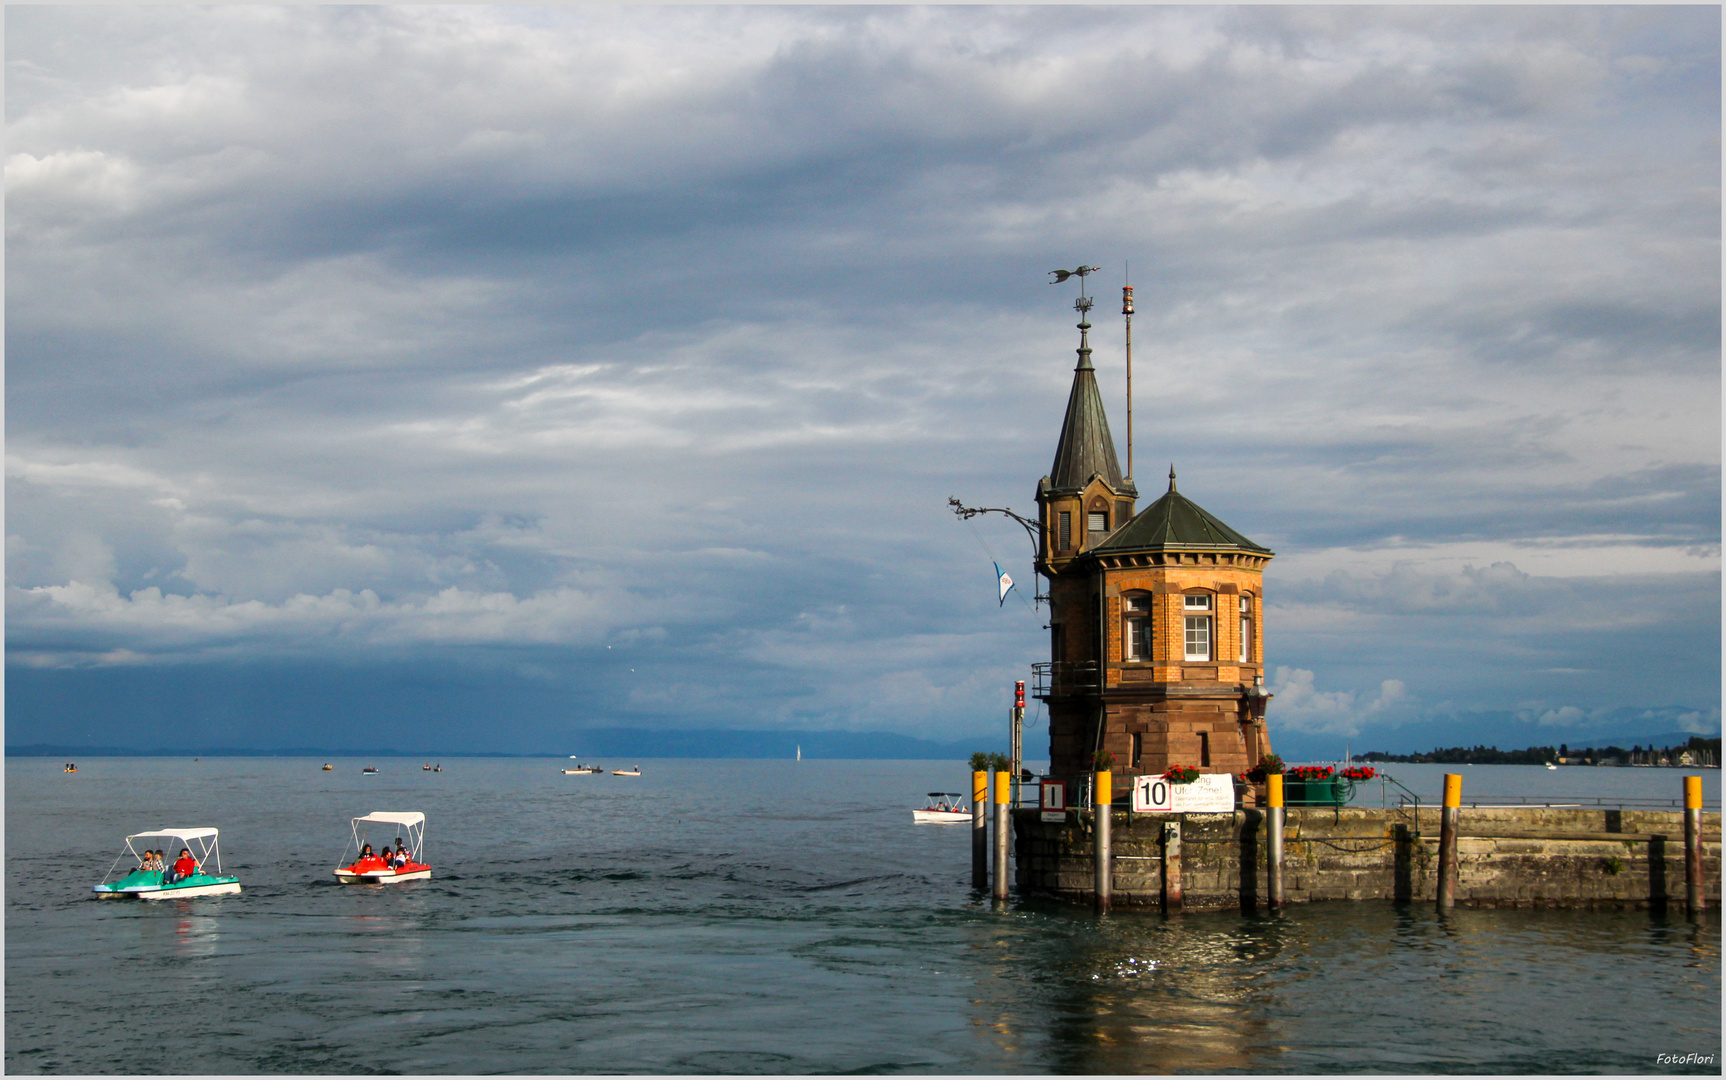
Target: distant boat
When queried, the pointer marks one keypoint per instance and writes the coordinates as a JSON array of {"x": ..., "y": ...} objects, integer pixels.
[
  {"x": 438, "y": 767},
  {"x": 1552, "y": 766},
  {"x": 944, "y": 808},
  {"x": 799, "y": 751},
  {"x": 426, "y": 767},
  {"x": 635, "y": 771},
  {"x": 328, "y": 767},
  {"x": 369, "y": 770}
]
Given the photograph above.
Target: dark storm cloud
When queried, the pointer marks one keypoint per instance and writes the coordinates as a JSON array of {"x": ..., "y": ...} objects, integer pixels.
[{"x": 546, "y": 344}]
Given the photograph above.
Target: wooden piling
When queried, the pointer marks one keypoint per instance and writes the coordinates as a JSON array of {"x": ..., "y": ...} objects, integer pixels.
[
  {"x": 1274, "y": 839},
  {"x": 1003, "y": 790},
  {"x": 979, "y": 830},
  {"x": 1447, "y": 822},
  {"x": 1104, "y": 812},
  {"x": 1693, "y": 891},
  {"x": 1172, "y": 867}
]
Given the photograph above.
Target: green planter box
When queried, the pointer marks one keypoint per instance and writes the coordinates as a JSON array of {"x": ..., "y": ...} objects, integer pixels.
[{"x": 1333, "y": 792}]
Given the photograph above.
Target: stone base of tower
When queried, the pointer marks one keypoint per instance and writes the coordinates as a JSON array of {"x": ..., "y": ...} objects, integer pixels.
[{"x": 1147, "y": 737}]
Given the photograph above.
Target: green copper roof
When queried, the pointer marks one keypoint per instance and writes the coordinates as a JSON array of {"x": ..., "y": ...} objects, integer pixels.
[
  {"x": 1175, "y": 521},
  {"x": 1086, "y": 448}
]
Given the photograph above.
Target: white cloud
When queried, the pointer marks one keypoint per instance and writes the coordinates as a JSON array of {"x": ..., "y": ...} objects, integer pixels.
[{"x": 1300, "y": 706}]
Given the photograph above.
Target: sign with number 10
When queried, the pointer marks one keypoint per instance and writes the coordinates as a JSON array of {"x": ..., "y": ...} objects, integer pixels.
[{"x": 1152, "y": 795}]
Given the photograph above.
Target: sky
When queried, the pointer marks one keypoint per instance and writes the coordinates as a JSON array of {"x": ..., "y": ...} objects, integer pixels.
[{"x": 467, "y": 378}]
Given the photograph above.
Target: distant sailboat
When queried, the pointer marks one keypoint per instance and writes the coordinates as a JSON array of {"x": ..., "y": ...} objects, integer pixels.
[{"x": 799, "y": 751}]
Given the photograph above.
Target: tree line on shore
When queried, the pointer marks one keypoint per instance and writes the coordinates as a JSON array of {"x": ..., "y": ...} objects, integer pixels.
[{"x": 1702, "y": 750}]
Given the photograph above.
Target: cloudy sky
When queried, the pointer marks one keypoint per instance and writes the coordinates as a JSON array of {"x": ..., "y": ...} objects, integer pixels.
[{"x": 464, "y": 378}]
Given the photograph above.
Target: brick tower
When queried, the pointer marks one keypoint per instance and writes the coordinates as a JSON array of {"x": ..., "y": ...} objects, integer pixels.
[{"x": 1156, "y": 619}]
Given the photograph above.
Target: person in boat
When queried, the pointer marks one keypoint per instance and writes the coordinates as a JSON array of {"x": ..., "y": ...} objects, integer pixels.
[
  {"x": 185, "y": 866},
  {"x": 399, "y": 857}
]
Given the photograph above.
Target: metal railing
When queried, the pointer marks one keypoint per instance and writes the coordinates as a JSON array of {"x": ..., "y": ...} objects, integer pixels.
[
  {"x": 1561, "y": 802},
  {"x": 1059, "y": 677}
]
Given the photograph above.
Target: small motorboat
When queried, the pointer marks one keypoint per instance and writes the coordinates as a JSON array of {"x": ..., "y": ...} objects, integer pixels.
[
  {"x": 584, "y": 770},
  {"x": 328, "y": 767},
  {"x": 140, "y": 884},
  {"x": 426, "y": 767},
  {"x": 373, "y": 869},
  {"x": 369, "y": 770},
  {"x": 69, "y": 767},
  {"x": 1552, "y": 765},
  {"x": 945, "y": 808},
  {"x": 632, "y": 771},
  {"x": 438, "y": 767}
]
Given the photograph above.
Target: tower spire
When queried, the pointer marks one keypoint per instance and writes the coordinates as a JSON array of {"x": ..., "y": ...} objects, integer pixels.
[{"x": 1086, "y": 448}]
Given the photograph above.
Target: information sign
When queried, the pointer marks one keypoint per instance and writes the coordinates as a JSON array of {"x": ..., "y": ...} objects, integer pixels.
[
  {"x": 1054, "y": 800},
  {"x": 1211, "y": 793}
]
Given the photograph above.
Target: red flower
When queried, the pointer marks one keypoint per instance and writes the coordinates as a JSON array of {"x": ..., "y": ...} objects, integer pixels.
[{"x": 1359, "y": 772}]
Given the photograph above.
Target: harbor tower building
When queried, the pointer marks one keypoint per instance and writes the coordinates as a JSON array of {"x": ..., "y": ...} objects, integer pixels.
[{"x": 1156, "y": 622}]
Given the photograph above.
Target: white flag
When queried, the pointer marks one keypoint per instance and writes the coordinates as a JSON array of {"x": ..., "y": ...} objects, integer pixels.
[{"x": 1005, "y": 583}]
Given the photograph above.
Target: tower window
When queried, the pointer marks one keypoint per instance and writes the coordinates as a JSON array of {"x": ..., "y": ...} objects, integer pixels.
[
  {"x": 1205, "y": 749},
  {"x": 1099, "y": 521},
  {"x": 1136, "y": 628},
  {"x": 1198, "y": 636},
  {"x": 1138, "y": 747},
  {"x": 1066, "y": 529},
  {"x": 1198, "y": 601},
  {"x": 1246, "y": 628}
]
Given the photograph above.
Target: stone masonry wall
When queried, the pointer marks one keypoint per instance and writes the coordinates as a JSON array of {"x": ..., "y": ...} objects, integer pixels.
[{"x": 1521, "y": 856}]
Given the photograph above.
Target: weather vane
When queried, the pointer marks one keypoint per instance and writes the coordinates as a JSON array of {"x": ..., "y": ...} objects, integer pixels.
[{"x": 1083, "y": 304}]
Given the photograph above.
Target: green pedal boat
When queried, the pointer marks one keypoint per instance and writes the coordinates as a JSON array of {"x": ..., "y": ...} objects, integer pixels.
[{"x": 201, "y": 845}]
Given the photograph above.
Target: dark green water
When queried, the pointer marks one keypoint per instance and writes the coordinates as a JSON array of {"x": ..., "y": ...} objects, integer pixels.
[{"x": 751, "y": 917}]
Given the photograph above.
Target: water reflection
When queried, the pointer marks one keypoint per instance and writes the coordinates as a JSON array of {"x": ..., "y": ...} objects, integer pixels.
[{"x": 1132, "y": 993}]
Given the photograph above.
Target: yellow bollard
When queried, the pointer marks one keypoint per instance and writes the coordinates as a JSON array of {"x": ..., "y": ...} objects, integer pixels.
[
  {"x": 979, "y": 830},
  {"x": 1693, "y": 892},
  {"x": 1103, "y": 815},
  {"x": 1447, "y": 822},
  {"x": 1274, "y": 838},
  {"x": 1003, "y": 792}
]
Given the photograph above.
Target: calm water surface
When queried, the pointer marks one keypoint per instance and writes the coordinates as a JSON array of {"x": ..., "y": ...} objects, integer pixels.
[{"x": 756, "y": 916}]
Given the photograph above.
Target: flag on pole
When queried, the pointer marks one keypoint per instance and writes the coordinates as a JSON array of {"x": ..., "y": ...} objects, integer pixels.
[{"x": 1004, "y": 582}]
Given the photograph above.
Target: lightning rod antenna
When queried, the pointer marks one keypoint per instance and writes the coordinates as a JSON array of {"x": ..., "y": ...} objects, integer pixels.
[{"x": 1127, "y": 310}]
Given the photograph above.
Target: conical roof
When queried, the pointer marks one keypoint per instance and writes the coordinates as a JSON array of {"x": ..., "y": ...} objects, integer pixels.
[
  {"x": 1086, "y": 448},
  {"x": 1175, "y": 521}
]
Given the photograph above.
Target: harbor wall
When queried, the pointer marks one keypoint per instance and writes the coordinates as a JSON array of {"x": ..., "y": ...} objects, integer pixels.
[{"x": 1507, "y": 857}]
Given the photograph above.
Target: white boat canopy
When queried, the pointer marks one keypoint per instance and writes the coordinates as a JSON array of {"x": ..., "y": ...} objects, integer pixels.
[
  {"x": 176, "y": 834},
  {"x": 201, "y": 842},
  {"x": 394, "y": 817}
]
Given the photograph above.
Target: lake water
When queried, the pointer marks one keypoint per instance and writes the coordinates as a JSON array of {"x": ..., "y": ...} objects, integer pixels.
[{"x": 760, "y": 916}]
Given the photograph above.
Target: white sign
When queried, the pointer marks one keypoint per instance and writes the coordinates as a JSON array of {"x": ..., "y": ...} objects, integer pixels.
[
  {"x": 1211, "y": 793},
  {"x": 1152, "y": 795},
  {"x": 1054, "y": 800}
]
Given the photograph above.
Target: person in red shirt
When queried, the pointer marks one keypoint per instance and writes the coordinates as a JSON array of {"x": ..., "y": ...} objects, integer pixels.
[{"x": 185, "y": 866}]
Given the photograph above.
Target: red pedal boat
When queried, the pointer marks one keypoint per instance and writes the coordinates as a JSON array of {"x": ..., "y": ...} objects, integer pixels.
[{"x": 409, "y": 826}]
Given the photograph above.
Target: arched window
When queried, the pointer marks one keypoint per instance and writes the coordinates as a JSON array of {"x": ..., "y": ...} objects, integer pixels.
[
  {"x": 1136, "y": 626},
  {"x": 1198, "y": 608}
]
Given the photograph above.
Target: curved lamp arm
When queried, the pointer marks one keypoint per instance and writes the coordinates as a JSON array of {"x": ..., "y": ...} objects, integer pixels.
[{"x": 1032, "y": 529}]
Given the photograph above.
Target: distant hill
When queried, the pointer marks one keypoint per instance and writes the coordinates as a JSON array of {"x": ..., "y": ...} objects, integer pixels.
[{"x": 603, "y": 742}]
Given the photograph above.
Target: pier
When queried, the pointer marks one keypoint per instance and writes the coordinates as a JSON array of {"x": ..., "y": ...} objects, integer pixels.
[{"x": 1505, "y": 857}]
